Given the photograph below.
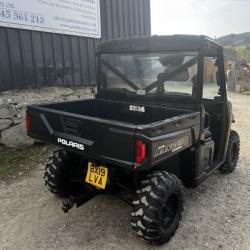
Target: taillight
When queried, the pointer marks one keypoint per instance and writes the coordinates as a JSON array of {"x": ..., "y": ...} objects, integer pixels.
[
  {"x": 27, "y": 119},
  {"x": 140, "y": 151}
]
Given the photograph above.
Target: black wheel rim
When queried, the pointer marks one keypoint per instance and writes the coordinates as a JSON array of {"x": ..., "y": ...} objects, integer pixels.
[
  {"x": 234, "y": 152},
  {"x": 169, "y": 211}
]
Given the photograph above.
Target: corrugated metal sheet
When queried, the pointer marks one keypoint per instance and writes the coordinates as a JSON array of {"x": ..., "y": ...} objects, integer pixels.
[{"x": 34, "y": 59}]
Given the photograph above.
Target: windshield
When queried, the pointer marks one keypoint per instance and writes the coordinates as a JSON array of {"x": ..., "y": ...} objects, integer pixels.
[{"x": 149, "y": 73}]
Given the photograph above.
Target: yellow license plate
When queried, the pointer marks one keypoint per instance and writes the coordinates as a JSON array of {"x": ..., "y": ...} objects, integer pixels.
[{"x": 97, "y": 175}]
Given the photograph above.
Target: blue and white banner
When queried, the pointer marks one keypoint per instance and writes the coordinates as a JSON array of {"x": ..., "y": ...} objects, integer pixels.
[{"x": 72, "y": 17}]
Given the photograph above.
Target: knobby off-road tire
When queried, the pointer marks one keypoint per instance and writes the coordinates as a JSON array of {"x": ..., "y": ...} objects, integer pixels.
[
  {"x": 232, "y": 155},
  {"x": 157, "y": 210},
  {"x": 56, "y": 173}
]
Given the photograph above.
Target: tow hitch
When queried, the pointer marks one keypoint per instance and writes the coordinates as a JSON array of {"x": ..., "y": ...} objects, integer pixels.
[{"x": 78, "y": 200}]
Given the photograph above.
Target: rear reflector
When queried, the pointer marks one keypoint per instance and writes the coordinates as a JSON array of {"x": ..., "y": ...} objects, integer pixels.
[
  {"x": 140, "y": 151},
  {"x": 27, "y": 119}
]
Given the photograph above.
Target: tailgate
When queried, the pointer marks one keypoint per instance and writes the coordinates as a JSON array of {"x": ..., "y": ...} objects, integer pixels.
[{"x": 96, "y": 139}]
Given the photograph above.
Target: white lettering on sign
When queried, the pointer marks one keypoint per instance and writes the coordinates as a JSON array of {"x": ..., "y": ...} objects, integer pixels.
[
  {"x": 72, "y": 17},
  {"x": 70, "y": 144}
]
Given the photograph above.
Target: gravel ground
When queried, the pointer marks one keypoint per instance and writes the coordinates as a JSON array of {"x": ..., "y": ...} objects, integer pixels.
[{"x": 216, "y": 215}]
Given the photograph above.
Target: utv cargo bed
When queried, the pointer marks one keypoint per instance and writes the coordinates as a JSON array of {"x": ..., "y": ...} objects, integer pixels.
[
  {"x": 101, "y": 129},
  {"x": 116, "y": 111}
]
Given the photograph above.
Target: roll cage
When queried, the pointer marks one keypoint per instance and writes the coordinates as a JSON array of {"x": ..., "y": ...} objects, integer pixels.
[{"x": 202, "y": 45}]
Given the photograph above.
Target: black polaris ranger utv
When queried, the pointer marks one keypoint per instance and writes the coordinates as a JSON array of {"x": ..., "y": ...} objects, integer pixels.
[{"x": 160, "y": 118}]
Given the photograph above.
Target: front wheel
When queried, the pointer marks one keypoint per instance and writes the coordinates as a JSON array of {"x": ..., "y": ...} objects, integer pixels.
[
  {"x": 158, "y": 207},
  {"x": 232, "y": 156}
]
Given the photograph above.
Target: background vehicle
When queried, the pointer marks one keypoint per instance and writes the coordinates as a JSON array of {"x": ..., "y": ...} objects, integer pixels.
[{"x": 160, "y": 117}]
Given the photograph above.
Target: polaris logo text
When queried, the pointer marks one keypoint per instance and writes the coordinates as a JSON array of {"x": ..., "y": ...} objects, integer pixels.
[
  {"x": 70, "y": 144},
  {"x": 167, "y": 148}
]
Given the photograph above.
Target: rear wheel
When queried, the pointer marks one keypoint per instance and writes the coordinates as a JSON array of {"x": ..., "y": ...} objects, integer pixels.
[
  {"x": 232, "y": 155},
  {"x": 56, "y": 174},
  {"x": 158, "y": 207}
]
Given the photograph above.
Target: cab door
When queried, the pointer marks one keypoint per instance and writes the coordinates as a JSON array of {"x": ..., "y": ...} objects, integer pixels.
[{"x": 217, "y": 109}]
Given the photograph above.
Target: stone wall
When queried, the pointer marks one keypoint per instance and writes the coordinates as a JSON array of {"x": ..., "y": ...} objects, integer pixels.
[{"x": 13, "y": 107}]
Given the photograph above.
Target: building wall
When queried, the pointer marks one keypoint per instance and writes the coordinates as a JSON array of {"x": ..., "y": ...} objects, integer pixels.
[{"x": 35, "y": 59}]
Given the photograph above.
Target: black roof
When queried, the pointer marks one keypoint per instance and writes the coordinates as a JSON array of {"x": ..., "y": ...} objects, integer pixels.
[{"x": 158, "y": 43}]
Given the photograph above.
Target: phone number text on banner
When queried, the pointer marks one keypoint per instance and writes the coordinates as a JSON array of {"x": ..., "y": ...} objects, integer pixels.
[{"x": 73, "y": 17}]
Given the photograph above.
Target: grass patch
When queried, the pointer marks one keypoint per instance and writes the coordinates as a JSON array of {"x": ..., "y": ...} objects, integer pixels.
[{"x": 16, "y": 161}]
